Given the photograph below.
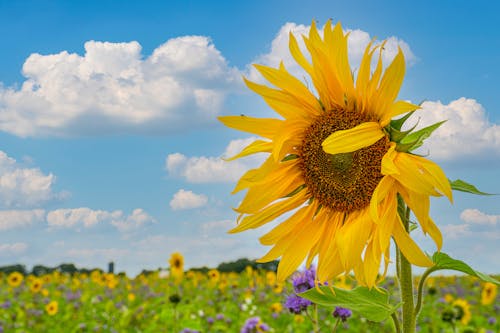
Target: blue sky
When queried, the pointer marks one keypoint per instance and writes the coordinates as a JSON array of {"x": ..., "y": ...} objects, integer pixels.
[{"x": 109, "y": 144}]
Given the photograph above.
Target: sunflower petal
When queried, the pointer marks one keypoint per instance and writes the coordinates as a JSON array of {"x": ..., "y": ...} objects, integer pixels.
[
  {"x": 409, "y": 248},
  {"x": 265, "y": 127},
  {"x": 258, "y": 146},
  {"x": 353, "y": 139},
  {"x": 270, "y": 213}
]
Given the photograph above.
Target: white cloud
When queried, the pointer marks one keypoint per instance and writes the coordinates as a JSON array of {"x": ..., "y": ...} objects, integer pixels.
[
  {"x": 25, "y": 187},
  {"x": 205, "y": 169},
  {"x": 12, "y": 248},
  {"x": 187, "y": 200},
  {"x": 86, "y": 217},
  {"x": 357, "y": 42},
  {"x": 475, "y": 216},
  {"x": 466, "y": 133},
  {"x": 12, "y": 219},
  {"x": 137, "y": 219},
  {"x": 113, "y": 89},
  {"x": 217, "y": 227}
]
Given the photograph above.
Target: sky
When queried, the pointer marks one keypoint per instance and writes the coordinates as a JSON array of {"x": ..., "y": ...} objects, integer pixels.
[{"x": 110, "y": 149}]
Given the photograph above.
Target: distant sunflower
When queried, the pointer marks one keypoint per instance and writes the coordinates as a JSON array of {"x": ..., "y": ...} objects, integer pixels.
[
  {"x": 36, "y": 285},
  {"x": 462, "y": 311},
  {"x": 15, "y": 279},
  {"x": 489, "y": 293},
  {"x": 336, "y": 163},
  {"x": 213, "y": 275},
  {"x": 177, "y": 266},
  {"x": 52, "y": 308}
]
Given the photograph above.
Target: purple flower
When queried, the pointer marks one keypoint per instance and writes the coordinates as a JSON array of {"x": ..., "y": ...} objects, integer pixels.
[
  {"x": 5, "y": 305},
  {"x": 219, "y": 316},
  {"x": 492, "y": 320},
  {"x": 253, "y": 325},
  {"x": 342, "y": 313},
  {"x": 210, "y": 320},
  {"x": 304, "y": 280},
  {"x": 296, "y": 304}
]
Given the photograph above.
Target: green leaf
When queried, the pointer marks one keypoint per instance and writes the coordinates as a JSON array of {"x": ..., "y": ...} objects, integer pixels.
[
  {"x": 460, "y": 185},
  {"x": 416, "y": 139},
  {"x": 369, "y": 303},
  {"x": 444, "y": 261},
  {"x": 398, "y": 123}
]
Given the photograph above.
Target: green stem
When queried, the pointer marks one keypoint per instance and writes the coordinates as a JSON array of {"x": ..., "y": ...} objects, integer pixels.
[
  {"x": 336, "y": 325},
  {"x": 406, "y": 277},
  {"x": 420, "y": 290},
  {"x": 316, "y": 321},
  {"x": 395, "y": 319}
]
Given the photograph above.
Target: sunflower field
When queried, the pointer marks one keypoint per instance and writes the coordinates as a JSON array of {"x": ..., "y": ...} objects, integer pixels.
[{"x": 253, "y": 300}]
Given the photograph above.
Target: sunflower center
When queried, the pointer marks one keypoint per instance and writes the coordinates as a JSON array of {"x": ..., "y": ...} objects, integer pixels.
[{"x": 343, "y": 182}]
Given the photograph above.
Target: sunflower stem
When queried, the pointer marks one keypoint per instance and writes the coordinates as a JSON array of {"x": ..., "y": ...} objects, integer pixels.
[
  {"x": 405, "y": 276},
  {"x": 420, "y": 290},
  {"x": 395, "y": 319}
]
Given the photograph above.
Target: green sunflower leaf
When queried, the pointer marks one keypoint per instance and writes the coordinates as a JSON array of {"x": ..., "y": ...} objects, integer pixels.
[
  {"x": 460, "y": 185},
  {"x": 369, "y": 303},
  {"x": 397, "y": 124},
  {"x": 444, "y": 261},
  {"x": 416, "y": 139}
]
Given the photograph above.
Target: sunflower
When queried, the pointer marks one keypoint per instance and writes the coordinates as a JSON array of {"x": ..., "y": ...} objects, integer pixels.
[
  {"x": 337, "y": 162},
  {"x": 15, "y": 279},
  {"x": 213, "y": 276},
  {"x": 177, "y": 266},
  {"x": 462, "y": 311},
  {"x": 52, "y": 308},
  {"x": 489, "y": 293},
  {"x": 36, "y": 285}
]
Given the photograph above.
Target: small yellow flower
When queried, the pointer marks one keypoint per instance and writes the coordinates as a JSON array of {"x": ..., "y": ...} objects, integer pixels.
[
  {"x": 270, "y": 278},
  {"x": 278, "y": 288},
  {"x": 489, "y": 293},
  {"x": 15, "y": 279},
  {"x": 276, "y": 307},
  {"x": 448, "y": 298},
  {"x": 95, "y": 276},
  {"x": 45, "y": 292},
  {"x": 463, "y": 309},
  {"x": 52, "y": 308},
  {"x": 298, "y": 319},
  {"x": 131, "y": 297},
  {"x": 36, "y": 285}
]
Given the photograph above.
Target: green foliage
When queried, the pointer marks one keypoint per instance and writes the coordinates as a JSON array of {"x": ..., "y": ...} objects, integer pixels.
[
  {"x": 444, "y": 261},
  {"x": 463, "y": 186},
  {"x": 415, "y": 139},
  {"x": 369, "y": 303}
]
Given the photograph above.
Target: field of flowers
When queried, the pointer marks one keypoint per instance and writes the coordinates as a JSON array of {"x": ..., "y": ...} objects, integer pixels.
[{"x": 194, "y": 301}]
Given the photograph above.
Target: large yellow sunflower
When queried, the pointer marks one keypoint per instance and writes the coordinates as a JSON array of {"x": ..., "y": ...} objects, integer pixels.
[{"x": 335, "y": 164}]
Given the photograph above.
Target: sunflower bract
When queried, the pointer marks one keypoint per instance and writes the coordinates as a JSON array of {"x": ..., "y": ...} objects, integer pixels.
[{"x": 332, "y": 164}]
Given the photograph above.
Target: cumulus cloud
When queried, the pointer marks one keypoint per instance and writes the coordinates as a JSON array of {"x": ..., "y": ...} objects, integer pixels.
[
  {"x": 112, "y": 88},
  {"x": 25, "y": 187},
  {"x": 466, "y": 133},
  {"x": 357, "y": 42},
  {"x": 13, "y": 248},
  {"x": 203, "y": 169},
  {"x": 86, "y": 217},
  {"x": 475, "y": 216},
  {"x": 13, "y": 219},
  {"x": 187, "y": 200}
]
